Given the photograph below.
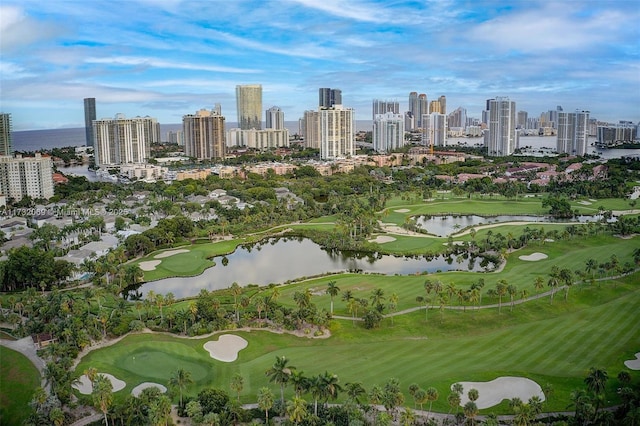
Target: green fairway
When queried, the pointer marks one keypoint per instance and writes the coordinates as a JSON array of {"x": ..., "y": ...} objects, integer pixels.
[
  {"x": 553, "y": 344},
  {"x": 21, "y": 376}
]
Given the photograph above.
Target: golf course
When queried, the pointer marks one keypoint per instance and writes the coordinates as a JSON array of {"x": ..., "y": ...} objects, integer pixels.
[{"x": 549, "y": 334}]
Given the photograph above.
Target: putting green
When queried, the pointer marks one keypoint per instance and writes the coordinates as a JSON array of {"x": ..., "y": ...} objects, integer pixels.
[{"x": 159, "y": 365}]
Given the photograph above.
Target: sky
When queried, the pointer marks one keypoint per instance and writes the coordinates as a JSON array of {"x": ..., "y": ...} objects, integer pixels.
[{"x": 168, "y": 58}]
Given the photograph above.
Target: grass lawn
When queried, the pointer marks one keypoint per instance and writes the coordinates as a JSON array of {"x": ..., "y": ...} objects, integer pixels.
[
  {"x": 21, "y": 376},
  {"x": 549, "y": 343}
]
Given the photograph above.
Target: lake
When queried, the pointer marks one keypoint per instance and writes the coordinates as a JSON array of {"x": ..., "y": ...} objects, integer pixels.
[
  {"x": 443, "y": 226},
  {"x": 281, "y": 259}
]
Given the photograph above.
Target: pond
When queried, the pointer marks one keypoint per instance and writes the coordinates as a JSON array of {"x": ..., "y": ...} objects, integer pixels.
[
  {"x": 443, "y": 226},
  {"x": 281, "y": 259}
]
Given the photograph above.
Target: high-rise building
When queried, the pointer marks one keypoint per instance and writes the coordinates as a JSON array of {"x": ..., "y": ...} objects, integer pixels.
[
  {"x": 176, "y": 137},
  {"x": 418, "y": 105},
  {"x": 434, "y": 129},
  {"x": 89, "y": 116},
  {"x": 457, "y": 118},
  {"x": 521, "y": 123},
  {"x": 328, "y": 97},
  {"x": 28, "y": 176},
  {"x": 311, "y": 129},
  {"x": 501, "y": 139},
  {"x": 258, "y": 139},
  {"x": 204, "y": 135},
  {"x": 612, "y": 134},
  {"x": 274, "y": 118},
  {"x": 122, "y": 140},
  {"x": 337, "y": 132},
  {"x": 443, "y": 104},
  {"x": 6, "y": 134},
  {"x": 409, "y": 121},
  {"x": 383, "y": 107},
  {"x": 434, "y": 106},
  {"x": 388, "y": 132},
  {"x": 573, "y": 132},
  {"x": 249, "y": 106}
]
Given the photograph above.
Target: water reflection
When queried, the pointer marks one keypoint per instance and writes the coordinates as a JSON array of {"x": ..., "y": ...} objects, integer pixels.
[
  {"x": 280, "y": 260},
  {"x": 444, "y": 226}
]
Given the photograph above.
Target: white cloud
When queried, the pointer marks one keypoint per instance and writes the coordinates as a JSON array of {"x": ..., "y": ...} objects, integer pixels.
[
  {"x": 156, "y": 63},
  {"x": 17, "y": 30}
]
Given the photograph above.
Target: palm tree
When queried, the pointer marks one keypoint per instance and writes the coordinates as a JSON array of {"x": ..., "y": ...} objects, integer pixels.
[
  {"x": 454, "y": 401},
  {"x": 566, "y": 276},
  {"x": 554, "y": 282},
  {"x": 408, "y": 417},
  {"x": 393, "y": 305},
  {"x": 596, "y": 382},
  {"x": 265, "y": 402},
  {"x": 299, "y": 382},
  {"x": 180, "y": 380},
  {"x": 160, "y": 411},
  {"x": 355, "y": 391},
  {"x": 473, "y": 395},
  {"x": 56, "y": 415},
  {"x": 236, "y": 384},
  {"x": 332, "y": 291},
  {"x": 377, "y": 296},
  {"x": 102, "y": 395},
  {"x": 280, "y": 373},
  {"x": 432, "y": 395},
  {"x": 471, "y": 411},
  {"x": 236, "y": 290},
  {"x": 512, "y": 290},
  {"x": 501, "y": 290},
  {"x": 538, "y": 284},
  {"x": 297, "y": 409}
]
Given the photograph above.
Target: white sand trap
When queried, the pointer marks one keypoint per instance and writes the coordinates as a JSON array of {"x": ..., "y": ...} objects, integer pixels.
[
  {"x": 402, "y": 211},
  {"x": 169, "y": 253},
  {"x": 455, "y": 243},
  {"x": 85, "y": 387},
  {"x": 493, "y": 392},
  {"x": 380, "y": 239},
  {"x": 633, "y": 364},
  {"x": 226, "y": 348},
  {"x": 533, "y": 257},
  {"x": 149, "y": 265},
  {"x": 549, "y": 240},
  {"x": 142, "y": 386},
  {"x": 584, "y": 203}
]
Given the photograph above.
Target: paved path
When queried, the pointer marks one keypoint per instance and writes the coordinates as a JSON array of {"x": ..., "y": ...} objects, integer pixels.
[
  {"x": 88, "y": 420},
  {"x": 26, "y": 347}
]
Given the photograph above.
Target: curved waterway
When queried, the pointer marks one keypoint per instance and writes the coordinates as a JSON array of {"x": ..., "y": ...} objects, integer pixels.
[
  {"x": 280, "y": 260},
  {"x": 443, "y": 226}
]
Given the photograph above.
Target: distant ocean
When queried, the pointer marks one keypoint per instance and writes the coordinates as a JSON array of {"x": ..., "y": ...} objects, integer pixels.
[{"x": 37, "y": 140}]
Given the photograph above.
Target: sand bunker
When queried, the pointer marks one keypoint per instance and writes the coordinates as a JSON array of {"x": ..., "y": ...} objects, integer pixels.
[
  {"x": 633, "y": 364},
  {"x": 226, "y": 348},
  {"x": 585, "y": 203},
  {"x": 142, "y": 386},
  {"x": 402, "y": 211},
  {"x": 149, "y": 265},
  {"x": 380, "y": 239},
  {"x": 533, "y": 257},
  {"x": 493, "y": 392},
  {"x": 85, "y": 387},
  {"x": 169, "y": 253}
]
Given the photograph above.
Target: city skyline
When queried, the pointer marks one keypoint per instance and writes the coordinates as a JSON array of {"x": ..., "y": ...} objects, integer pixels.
[{"x": 171, "y": 57}]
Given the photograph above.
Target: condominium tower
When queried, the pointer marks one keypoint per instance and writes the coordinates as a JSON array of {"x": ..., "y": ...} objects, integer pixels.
[
  {"x": 417, "y": 107},
  {"x": 311, "y": 129},
  {"x": 26, "y": 176},
  {"x": 434, "y": 129},
  {"x": 337, "y": 132},
  {"x": 123, "y": 140},
  {"x": 89, "y": 116},
  {"x": 502, "y": 138},
  {"x": 249, "y": 106},
  {"x": 204, "y": 136},
  {"x": 6, "y": 138},
  {"x": 573, "y": 132},
  {"x": 274, "y": 118},
  {"x": 388, "y": 132},
  {"x": 328, "y": 97},
  {"x": 383, "y": 107}
]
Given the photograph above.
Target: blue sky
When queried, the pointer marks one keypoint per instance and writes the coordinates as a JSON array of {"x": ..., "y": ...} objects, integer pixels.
[{"x": 167, "y": 58}]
